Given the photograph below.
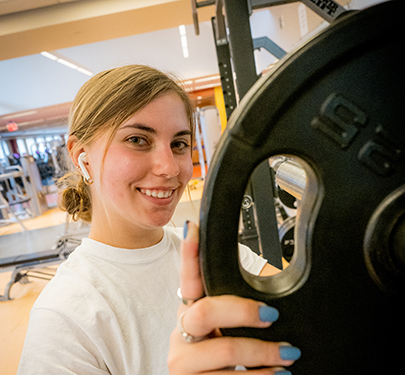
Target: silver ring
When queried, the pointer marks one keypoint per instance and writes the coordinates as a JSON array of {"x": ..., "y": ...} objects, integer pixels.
[
  {"x": 186, "y": 301},
  {"x": 187, "y": 337}
]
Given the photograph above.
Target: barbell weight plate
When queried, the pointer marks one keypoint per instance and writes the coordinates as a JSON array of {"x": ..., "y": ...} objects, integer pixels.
[{"x": 335, "y": 106}]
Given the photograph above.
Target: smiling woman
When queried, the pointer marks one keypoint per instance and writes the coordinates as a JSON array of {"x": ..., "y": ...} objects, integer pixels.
[
  {"x": 102, "y": 106},
  {"x": 112, "y": 306},
  {"x": 148, "y": 165}
]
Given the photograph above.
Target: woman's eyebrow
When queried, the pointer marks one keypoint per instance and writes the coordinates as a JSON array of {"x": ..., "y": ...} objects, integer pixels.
[
  {"x": 182, "y": 133},
  {"x": 150, "y": 130},
  {"x": 143, "y": 127}
]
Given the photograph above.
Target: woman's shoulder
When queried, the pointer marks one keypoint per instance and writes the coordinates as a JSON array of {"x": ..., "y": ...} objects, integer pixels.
[{"x": 72, "y": 283}]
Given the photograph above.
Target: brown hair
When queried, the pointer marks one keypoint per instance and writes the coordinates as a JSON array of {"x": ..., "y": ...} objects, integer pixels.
[{"x": 102, "y": 104}]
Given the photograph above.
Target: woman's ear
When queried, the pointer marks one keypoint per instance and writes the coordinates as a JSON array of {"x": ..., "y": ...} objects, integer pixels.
[
  {"x": 75, "y": 149},
  {"x": 78, "y": 155}
]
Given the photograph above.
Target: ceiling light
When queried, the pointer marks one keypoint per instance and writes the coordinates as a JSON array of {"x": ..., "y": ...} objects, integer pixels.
[
  {"x": 182, "y": 30},
  {"x": 84, "y": 71},
  {"x": 22, "y": 114},
  {"x": 55, "y": 56},
  {"x": 67, "y": 63},
  {"x": 31, "y": 122},
  {"x": 49, "y": 55},
  {"x": 183, "y": 41},
  {"x": 205, "y": 79},
  {"x": 183, "y": 38},
  {"x": 206, "y": 86}
]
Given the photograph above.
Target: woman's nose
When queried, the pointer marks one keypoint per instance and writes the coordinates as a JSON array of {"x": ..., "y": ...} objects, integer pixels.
[{"x": 165, "y": 163}]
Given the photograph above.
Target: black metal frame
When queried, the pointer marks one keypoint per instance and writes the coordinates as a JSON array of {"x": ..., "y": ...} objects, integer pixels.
[
  {"x": 235, "y": 53},
  {"x": 261, "y": 187}
]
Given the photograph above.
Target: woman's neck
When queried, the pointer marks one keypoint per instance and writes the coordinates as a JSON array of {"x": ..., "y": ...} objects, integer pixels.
[{"x": 123, "y": 235}]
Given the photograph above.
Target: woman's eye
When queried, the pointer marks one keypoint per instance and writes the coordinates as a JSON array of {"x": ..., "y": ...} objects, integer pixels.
[
  {"x": 180, "y": 145},
  {"x": 138, "y": 141}
]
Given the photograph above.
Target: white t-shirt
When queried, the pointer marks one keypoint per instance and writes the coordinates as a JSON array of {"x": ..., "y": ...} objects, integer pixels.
[{"x": 110, "y": 311}]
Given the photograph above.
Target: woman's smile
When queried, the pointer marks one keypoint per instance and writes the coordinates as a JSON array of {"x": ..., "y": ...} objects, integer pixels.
[
  {"x": 157, "y": 193},
  {"x": 160, "y": 196}
]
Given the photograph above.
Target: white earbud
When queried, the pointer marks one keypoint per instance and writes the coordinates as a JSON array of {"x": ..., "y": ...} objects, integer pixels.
[{"x": 82, "y": 160}]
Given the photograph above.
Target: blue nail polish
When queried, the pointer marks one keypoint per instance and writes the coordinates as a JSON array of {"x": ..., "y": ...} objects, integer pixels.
[
  {"x": 283, "y": 372},
  {"x": 289, "y": 353},
  {"x": 185, "y": 229},
  {"x": 268, "y": 314}
]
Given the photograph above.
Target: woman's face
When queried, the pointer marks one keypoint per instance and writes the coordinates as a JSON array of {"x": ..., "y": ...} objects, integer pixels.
[{"x": 146, "y": 167}]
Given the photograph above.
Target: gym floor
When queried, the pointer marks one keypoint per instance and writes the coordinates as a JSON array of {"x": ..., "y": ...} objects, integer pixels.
[{"x": 14, "y": 315}]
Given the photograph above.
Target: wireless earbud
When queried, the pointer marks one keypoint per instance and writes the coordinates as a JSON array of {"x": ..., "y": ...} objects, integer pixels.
[{"x": 82, "y": 159}]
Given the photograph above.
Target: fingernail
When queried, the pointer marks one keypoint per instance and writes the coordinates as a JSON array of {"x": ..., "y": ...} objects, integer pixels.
[
  {"x": 282, "y": 372},
  {"x": 185, "y": 229},
  {"x": 289, "y": 353},
  {"x": 268, "y": 314}
]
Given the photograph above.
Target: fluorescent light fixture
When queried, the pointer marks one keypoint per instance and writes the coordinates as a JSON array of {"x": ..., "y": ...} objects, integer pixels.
[
  {"x": 205, "y": 79},
  {"x": 84, "y": 71},
  {"x": 184, "y": 41},
  {"x": 31, "y": 122},
  {"x": 49, "y": 55},
  {"x": 22, "y": 114},
  {"x": 55, "y": 56},
  {"x": 67, "y": 63},
  {"x": 183, "y": 38},
  {"x": 205, "y": 86},
  {"x": 182, "y": 30}
]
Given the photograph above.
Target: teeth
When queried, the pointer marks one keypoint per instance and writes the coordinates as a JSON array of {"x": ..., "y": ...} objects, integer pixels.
[{"x": 157, "y": 193}]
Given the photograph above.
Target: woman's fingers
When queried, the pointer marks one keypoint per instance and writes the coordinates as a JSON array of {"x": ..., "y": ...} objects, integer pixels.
[
  {"x": 226, "y": 312},
  {"x": 220, "y": 353},
  {"x": 217, "y": 353},
  {"x": 190, "y": 275},
  {"x": 201, "y": 320}
]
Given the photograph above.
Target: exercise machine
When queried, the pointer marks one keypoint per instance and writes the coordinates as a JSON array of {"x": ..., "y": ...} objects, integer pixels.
[
  {"x": 334, "y": 107},
  {"x": 42, "y": 252}
]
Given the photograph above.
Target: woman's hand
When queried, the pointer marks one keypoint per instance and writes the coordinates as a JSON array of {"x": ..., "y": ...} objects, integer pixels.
[{"x": 200, "y": 322}]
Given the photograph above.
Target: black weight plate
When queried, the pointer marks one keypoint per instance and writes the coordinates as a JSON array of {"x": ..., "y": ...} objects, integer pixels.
[{"x": 336, "y": 106}]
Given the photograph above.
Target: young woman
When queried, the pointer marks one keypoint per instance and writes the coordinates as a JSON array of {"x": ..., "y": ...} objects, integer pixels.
[{"x": 112, "y": 306}]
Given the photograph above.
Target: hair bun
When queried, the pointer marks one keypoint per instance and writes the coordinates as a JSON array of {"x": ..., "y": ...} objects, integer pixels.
[{"x": 76, "y": 201}]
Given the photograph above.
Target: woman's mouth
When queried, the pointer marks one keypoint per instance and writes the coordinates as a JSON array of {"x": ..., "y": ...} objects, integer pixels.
[{"x": 161, "y": 194}]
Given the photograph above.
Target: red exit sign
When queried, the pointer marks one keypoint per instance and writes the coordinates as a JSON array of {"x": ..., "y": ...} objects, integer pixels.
[{"x": 12, "y": 126}]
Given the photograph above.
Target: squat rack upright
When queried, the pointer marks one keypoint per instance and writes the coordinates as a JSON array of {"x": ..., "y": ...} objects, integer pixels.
[{"x": 235, "y": 53}]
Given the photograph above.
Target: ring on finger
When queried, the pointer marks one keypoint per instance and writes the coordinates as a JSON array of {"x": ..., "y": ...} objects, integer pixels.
[
  {"x": 186, "y": 336},
  {"x": 186, "y": 301}
]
